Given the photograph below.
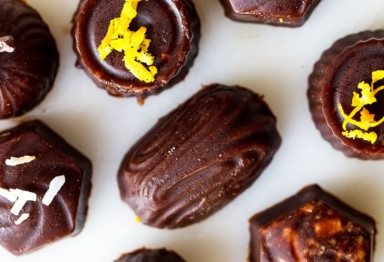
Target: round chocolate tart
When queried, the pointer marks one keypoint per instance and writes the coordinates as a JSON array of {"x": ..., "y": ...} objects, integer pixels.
[
  {"x": 199, "y": 157},
  {"x": 28, "y": 58},
  {"x": 345, "y": 95},
  {"x": 172, "y": 26},
  {"x": 150, "y": 255}
]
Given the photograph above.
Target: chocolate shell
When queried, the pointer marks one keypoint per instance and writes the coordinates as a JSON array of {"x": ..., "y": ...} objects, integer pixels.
[
  {"x": 333, "y": 82},
  {"x": 312, "y": 225},
  {"x": 173, "y": 27},
  {"x": 28, "y": 58},
  {"x": 52, "y": 175},
  {"x": 291, "y": 13},
  {"x": 199, "y": 157},
  {"x": 150, "y": 255}
]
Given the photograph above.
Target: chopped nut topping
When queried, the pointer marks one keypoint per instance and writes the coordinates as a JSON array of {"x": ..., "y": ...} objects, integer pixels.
[
  {"x": 7, "y": 44},
  {"x": 15, "y": 161}
]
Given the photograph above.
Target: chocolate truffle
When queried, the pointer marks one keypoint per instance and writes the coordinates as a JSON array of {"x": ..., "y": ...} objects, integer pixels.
[
  {"x": 150, "y": 255},
  {"x": 199, "y": 157},
  {"x": 44, "y": 187},
  {"x": 345, "y": 96},
  {"x": 292, "y": 13},
  {"x": 28, "y": 58},
  {"x": 312, "y": 225},
  {"x": 171, "y": 26}
]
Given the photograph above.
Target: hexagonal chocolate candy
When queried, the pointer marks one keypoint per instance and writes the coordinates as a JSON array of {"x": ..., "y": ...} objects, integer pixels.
[
  {"x": 44, "y": 187},
  {"x": 291, "y": 13},
  {"x": 312, "y": 226}
]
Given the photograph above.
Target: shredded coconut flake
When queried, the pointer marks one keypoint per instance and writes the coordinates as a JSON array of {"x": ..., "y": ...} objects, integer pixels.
[
  {"x": 22, "y": 198},
  {"x": 54, "y": 188},
  {"x": 21, "y": 219},
  {"x": 8, "y": 195},
  {"x": 15, "y": 161}
]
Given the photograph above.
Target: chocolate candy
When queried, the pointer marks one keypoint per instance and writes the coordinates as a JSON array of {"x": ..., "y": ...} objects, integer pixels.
[
  {"x": 291, "y": 13},
  {"x": 312, "y": 225},
  {"x": 345, "y": 96},
  {"x": 44, "y": 187},
  {"x": 172, "y": 26},
  {"x": 28, "y": 58},
  {"x": 199, "y": 157},
  {"x": 150, "y": 255}
]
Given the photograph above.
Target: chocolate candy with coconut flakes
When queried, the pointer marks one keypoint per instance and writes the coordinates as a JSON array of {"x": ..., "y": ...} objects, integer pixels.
[
  {"x": 44, "y": 187},
  {"x": 312, "y": 225},
  {"x": 28, "y": 58},
  {"x": 199, "y": 157}
]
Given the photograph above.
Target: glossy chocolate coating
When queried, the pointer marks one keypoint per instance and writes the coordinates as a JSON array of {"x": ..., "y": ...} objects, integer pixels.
[
  {"x": 151, "y": 255},
  {"x": 27, "y": 73},
  {"x": 312, "y": 225},
  {"x": 53, "y": 157},
  {"x": 292, "y": 13},
  {"x": 172, "y": 25},
  {"x": 199, "y": 157},
  {"x": 335, "y": 77}
]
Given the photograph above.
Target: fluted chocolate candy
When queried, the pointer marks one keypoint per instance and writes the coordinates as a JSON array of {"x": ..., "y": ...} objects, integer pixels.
[
  {"x": 150, "y": 255},
  {"x": 28, "y": 58},
  {"x": 312, "y": 225},
  {"x": 199, "y": 157},
  {"x": 290, "y": 13},
  {"x": 44, "y": 187},
  {"x": 173, "y": 28},
  {"x": 345, "y": 95}
]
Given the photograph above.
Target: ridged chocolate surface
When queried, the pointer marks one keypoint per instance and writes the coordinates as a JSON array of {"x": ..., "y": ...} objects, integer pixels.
[
  {"x": 53, "y": 157},
  {"x": 312, "y": 226},
  {"x": 290, "y": 13},
  {"x": 28, "y": 73},
  {"x": 199, "y": 157},
  {"x": 335, "y": 77},
  {"x": 150, "y": 255},
  {"x": 172, "y": 25}
]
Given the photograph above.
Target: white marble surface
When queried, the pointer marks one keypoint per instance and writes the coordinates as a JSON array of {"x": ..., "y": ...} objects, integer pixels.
[{"x": 269, "y": 60}]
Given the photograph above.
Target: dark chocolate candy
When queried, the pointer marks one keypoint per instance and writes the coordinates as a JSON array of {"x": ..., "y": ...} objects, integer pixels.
[
  {"x": 290, "y": 13},
  {"x": 199, "y": 157},
  {"x": 335, "y": 79},
  {"x": 28, "y": 58},
  {"x": 172, "y": 25},
  {"x": 150, "y": 255},
  {"x": 312, "y": 225},
  {"x": 36, "y": 161}
]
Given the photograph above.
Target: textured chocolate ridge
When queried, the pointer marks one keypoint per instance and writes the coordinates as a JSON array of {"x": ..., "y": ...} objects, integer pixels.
[
  {"x": 199, "y": 157},
  {"x": 316, "y": 94},
  {"x": 54, "y": 157},
  {"x": 150, "y": 255},
  {"x": 285, "y": 211},
  {"x": 28, "y": 73},
  {"x": 292, "y": 14},
  {"x": 122, "y": 82}
]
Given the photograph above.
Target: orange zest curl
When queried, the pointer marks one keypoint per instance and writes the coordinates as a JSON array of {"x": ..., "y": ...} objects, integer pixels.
[
  {"x": 134, "y": 44},
  {"x": 367, "y": 120}
]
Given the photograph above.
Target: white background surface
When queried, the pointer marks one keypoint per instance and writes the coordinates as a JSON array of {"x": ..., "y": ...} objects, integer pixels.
[{"x": 272, "y": 61}]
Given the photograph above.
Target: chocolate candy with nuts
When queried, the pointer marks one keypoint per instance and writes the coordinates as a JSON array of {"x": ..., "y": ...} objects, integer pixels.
[{"x": 312, "y": 226}]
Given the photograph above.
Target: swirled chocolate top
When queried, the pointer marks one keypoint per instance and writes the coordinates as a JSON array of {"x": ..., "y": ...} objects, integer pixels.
[{"x": 28, "y": 58}]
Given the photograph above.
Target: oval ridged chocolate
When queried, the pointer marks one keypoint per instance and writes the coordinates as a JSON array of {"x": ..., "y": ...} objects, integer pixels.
[
  {"x": 199, "y": 157},
  {"x": 27, "y": 73}
]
